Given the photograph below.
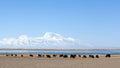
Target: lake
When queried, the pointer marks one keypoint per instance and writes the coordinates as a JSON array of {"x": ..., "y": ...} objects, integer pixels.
[{"x": 59, "y": 51}]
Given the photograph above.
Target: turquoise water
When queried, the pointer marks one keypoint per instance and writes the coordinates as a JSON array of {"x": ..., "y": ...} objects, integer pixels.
[{"x": 56, "y": 52}]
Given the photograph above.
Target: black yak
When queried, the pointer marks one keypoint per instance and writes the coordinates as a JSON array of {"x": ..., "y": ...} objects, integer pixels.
[
  {"x": 31, "y": 55},
  {"x": 39, "y": 55},
  {"x": 72, "y": 56},
  {"x": 7, "y": 55},
  {"x": 91, "y": 56},
  {"x": 61, "y": 55},
  {"x": 97, "y": 56},
  {"x": 15, "y": 54},
  {"x": 79, "y": 55},
  {"x": 84, "y": 56},
  {"x": 48, "y": 56},
  {"x": 54, "y": 55},
  {"x": 108, "y": 55},
  {"x": 65, "y": 56},
  {"x": 11, "y": 54},
  {"x": 22, "y": 55}
]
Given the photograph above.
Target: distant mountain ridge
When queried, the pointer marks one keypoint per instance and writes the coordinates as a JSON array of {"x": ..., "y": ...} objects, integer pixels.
[{"x": 64, "y": 49}]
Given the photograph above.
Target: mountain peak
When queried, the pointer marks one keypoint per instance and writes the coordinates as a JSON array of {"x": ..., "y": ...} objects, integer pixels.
[{"x": 49, "y": 35}]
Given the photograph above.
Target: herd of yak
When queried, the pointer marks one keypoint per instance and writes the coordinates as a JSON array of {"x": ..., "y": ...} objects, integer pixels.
[{"x": 63, "y": 56}]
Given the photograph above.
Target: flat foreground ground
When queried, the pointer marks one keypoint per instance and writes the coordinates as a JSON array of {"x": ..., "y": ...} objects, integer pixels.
[{"x": 34, "y": 62}]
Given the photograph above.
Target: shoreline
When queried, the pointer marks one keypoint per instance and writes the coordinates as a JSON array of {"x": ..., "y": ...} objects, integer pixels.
[{"x": 74, "y": 56}]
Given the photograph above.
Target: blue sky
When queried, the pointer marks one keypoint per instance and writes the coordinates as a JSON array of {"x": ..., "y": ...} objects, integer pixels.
[{"x": 92, "y": 21}]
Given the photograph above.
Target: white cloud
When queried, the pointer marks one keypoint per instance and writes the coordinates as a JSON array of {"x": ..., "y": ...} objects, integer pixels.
[{"x": 49, "y": 40}]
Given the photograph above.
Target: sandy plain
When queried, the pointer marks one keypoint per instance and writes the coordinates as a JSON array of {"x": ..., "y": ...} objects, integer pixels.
[{"x": 35, "y": 62}]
